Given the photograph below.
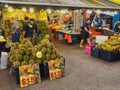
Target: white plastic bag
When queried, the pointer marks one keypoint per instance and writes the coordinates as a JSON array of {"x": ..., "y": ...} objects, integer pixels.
[{"x": 4, "y": 58}]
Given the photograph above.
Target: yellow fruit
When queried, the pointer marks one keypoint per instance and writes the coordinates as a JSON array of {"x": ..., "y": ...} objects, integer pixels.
[{"x": 39, "y": 54}]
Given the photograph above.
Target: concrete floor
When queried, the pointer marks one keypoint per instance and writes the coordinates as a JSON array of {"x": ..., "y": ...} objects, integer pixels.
[{"x": 83, "y": 72}]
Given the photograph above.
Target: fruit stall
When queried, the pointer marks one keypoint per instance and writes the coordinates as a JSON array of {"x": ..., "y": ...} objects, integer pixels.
[
  {"x": 108, "y": 50},
  {"x": 32, "y": 63}
]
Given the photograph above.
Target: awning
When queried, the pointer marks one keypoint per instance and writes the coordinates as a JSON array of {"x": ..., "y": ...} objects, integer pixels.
[{"x": 75, "y": 4}]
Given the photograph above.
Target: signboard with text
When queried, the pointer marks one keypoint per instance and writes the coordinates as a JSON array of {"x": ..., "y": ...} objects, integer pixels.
[
  {"x": 29, "y": 74},
  {"x": 43, "y": 15},
  {"x": 56, "y": 69}
]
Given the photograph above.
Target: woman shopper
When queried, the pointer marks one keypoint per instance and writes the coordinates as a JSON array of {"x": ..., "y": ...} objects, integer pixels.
[{"x": 86, "y": 33}]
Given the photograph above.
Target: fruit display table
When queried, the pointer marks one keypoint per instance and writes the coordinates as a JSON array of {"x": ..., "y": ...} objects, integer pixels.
[
  {"x": 70, "y": 36},
  {"x": 71, "y": 32}
]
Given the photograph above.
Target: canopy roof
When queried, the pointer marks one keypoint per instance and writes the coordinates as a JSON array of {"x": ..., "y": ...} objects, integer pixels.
[{"x": 96, "y": 4}]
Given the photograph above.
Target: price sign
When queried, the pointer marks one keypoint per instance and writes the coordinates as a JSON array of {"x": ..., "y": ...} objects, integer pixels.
[
  {"x": 56, "y": 69},
  {"x": 29, "y": 74},
  {"x": 43, "y": 15}
]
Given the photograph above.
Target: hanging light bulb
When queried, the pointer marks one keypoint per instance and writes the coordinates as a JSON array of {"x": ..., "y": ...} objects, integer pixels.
[
  {"x": 24, "y": 9},
  {"x": 10, "y": 9},
  {"x": 57, "y": 10},
  {"x": 76, "y": 10},
  {"x": 64, "y": 11},
  {"x": 49, "y": 11},
  {"x": 6, "y": 5},
  {"x": 32, "y": 10},
  {"x": 89, "y": 11}
]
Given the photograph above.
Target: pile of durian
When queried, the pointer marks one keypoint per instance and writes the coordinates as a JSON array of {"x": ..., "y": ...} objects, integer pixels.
[
  {"x": 112, "y": 44},
  {"x": 25, "y": 53}
]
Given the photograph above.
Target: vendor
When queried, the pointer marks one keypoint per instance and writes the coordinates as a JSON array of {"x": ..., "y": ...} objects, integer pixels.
[
  {"x": 86, "y": 33},
  {"x": 116, "y": 25},
  {"x": 117, "y": 30}
]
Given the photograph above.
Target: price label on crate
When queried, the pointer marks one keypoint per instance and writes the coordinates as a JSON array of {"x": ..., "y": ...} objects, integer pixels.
[
  {"x": 56, "y": 69},
  {"x": 29, "y": 74}
]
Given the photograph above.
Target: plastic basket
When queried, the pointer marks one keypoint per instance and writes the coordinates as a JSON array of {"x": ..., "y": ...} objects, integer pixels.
[
  {"x": 95, "y": 52},
  {"x": 109, "y": 56},
  {"x": 44, "y": 70},
  {"x": 15, "y": 72},
  {"x": 88, "y": 49}
]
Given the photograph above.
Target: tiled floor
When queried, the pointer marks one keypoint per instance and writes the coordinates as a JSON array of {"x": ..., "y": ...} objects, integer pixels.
[{"x": 83, "y": 72}]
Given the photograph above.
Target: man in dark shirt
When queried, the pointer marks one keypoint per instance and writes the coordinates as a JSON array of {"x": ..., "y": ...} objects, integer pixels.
[
  {"x": 86, "y": 32},
  {"x": 35, "y": 29},
  {"x": 28, "y": 30}
]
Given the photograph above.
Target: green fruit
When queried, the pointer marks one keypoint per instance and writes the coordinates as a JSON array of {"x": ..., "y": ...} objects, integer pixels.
[
  {"x": 16, "y": 64},
  {"x": 48, "y": 56},
  {"x": 46, "y": 36},
  {"x": 12, "y": 58},
  {"x": 33, "y": 57},
  {"x": 24, "y": 63},
  {"x": 37, "y": 60},
  {"x": 28, "y": 44},
  {"x": 26, "y": 58},
  {"x": 43, "y": 57},
  {"x": 53, "y": 56},
  {"x": 22, "y": 51},
  {"x": 29, "y": 51},
  {"x": 54, "y": 50},
  {"x": 24, "y": 41},
  {"x": 31, "y": 61},
  {"x": 18, "y": 57},
  {"x": 50, "y": 45},
  {"x": 39, "y": 46},
  {"x": 17, "y": 51},
  {"x": 44, "y": 50},
  {"x": 49, "y": 51}
]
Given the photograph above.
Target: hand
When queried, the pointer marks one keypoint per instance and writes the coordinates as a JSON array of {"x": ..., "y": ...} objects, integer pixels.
[{"x": 90, "y": 32}]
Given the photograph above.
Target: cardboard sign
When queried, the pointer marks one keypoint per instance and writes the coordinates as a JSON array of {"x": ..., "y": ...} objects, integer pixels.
[
  {"x": 56, "y": 69},
  {"x": 29, "y": 74},
  {"x": 43, "y": 15}
]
